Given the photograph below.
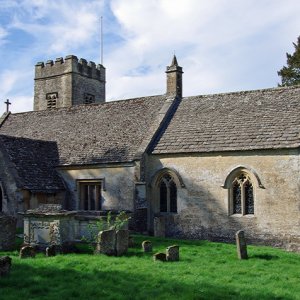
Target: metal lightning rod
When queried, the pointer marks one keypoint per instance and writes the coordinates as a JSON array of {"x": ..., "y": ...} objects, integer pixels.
[{"x": 101, "y": 40}]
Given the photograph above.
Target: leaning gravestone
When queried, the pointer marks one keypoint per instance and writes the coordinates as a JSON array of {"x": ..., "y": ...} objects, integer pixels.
[
  {"x": 27, "y": 251},
  {"x": 159, "y": 256},
  {"x": 241, "y": 245},
  {"x": 106, "y": 242},
  {"x": 7, "y": 232},
  {"x": 172, "y": 253},
  {"x": 5, "y": 265},
  {"x": 147, "y": 246}
]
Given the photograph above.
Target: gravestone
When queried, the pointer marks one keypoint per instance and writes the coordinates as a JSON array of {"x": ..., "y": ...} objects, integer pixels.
[
  {"x": 172, "y": 253},
  {"x": 5, "y": 265},
  {"x": 121, "y": 242},
  {"x": 147, "y": 246},
  {"x": 7, "y": 232},
  {"x": 159, "y": 256},
  {"x": 51, "y": 251},
  {"x": 106, "y": 242},
  {"x": 27, "y": 251},
  {"x": 241, "y": 245},
  {"x": 159, "y": 226}
]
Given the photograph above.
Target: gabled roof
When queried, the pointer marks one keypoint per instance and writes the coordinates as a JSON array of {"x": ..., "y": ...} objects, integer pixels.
[
  {"x": 262, "y": 119},
  {"x": 90, "y": 134},
  {"x": 34, "y": 162}
]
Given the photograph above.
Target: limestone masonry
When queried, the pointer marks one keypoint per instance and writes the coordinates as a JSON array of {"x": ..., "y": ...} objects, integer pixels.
[{"x": 201, "y": 167}]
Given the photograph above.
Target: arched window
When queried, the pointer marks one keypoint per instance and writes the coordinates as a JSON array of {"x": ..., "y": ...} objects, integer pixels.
[
  {"x": 242, "y": 197},
  {"x": 167, "y": 194}
]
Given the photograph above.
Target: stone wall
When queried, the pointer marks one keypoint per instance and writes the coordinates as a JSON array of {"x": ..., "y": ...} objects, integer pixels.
[
  {"x": 203, "y": 202},
  {"x": 71, "y": 79},
  {"x": 117, "y": 185},
  {"x": 7, "y": 232}
]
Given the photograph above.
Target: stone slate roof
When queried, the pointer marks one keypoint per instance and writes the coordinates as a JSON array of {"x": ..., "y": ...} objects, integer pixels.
[
  {"x": 34, "y": 162},
  {"x": 89, "y": 134},
  {"x": 262, "y": 119}
]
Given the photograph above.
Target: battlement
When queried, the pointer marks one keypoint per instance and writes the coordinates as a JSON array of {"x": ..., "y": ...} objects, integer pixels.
[{"x": 70, "y": 64}]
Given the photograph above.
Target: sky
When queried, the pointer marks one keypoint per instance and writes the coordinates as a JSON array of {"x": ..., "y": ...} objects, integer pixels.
[{"x": 222, "y": 45}]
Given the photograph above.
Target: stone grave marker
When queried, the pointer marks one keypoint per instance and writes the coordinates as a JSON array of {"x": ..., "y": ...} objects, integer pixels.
[
  {"x": 106, "y": 242},
  {"x": 51, "y": 251},
  {"x": 27, "y": 251},
  {"x": 121, "y": 242},
  {"x": 5, "y": 265},
  {"x": 172, "y": 253},
  {"x": 147, "y": 246},
  {"x": 159, "y": 256},
  {"x": 241, "y": 245},
  {"x": 7, "y": 232}
]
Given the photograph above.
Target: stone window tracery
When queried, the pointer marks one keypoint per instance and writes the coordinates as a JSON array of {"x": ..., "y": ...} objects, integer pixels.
[
  {"x": 242, "y": 196},
  {"x": 167, "y": 194}
]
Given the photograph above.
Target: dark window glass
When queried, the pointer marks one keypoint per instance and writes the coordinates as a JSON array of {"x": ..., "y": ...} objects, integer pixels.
[
  {"x": 1, "y": 200},
  {"x": 163, "y": 197},
  {"x": 249, "y": 201},
  {"x": 86, "y": 197},
  {"x": 237, "y": 199},
  {"x": 92, "y": 191},
  {"x": 173, "y": 197}
]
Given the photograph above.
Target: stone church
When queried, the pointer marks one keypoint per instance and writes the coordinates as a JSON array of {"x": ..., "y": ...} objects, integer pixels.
[{"x": 199, "y": 167}]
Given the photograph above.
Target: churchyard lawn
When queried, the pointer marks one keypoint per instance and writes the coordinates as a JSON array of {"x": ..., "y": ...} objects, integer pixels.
[{"x": 206, "y": 270}]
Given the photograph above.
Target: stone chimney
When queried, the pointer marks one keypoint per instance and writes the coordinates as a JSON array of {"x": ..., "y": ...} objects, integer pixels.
[{"x": 174, "y": 79}]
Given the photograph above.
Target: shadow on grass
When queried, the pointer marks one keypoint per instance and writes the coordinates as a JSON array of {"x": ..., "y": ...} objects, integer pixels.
[
  {"x": 265, "y": 256},
  {"x": 76, "y": 280}
]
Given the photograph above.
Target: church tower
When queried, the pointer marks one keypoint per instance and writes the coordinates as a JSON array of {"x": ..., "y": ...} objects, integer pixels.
[
  {"x": 67, "y": 82},
  {"x": 174, "y": 79}
]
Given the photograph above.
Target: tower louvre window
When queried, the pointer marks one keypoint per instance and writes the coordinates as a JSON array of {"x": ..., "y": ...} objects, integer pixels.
[
  {"x": 89, "y": 98},
  {"x": 51, "y": 100}
]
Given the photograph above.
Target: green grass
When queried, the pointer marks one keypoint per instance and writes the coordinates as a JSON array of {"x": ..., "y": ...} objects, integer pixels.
[{"x": 206, "y": 270}]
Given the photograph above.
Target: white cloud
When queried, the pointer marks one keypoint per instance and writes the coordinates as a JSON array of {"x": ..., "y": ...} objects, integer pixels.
[{"x": 221, "y": 45}]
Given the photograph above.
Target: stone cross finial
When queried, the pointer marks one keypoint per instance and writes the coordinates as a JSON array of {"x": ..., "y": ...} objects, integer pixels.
[{"x": 7, "y": 105}]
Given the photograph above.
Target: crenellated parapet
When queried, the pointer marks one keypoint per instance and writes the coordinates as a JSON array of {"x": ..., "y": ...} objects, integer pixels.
[
  {"x": 70, "y": 64},
  {"x": 68, "y": 81}
]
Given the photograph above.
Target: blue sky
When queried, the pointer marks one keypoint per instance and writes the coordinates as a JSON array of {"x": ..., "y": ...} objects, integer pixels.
[{"x": 222, "y": 45}]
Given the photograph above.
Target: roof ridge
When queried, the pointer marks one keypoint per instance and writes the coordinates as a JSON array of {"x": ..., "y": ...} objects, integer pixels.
[
  {"x": 79, "y": 106},
  {"x": 246, "y": 92}
]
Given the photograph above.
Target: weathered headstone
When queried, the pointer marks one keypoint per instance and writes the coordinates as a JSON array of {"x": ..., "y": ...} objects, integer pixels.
[
  {"x": 159, "y": 256},
  {"x": 147, "y": 246},
  {"x": 5, "y": 265},
  {"x": 106, "y": 242},
  {"x": 241, "y": 245},
  {"x": 51, "y": 251},
  {"x": 159, "y": 226},
  {"x": 7, "y": 232},
  {"x": 27, "y": 251},
  {"x": 121, "y": 242},
  {"x": 172, "y": 253}
]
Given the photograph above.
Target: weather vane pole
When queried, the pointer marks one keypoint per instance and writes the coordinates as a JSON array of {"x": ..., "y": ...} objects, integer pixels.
[{"x": 7, "y": 105}]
